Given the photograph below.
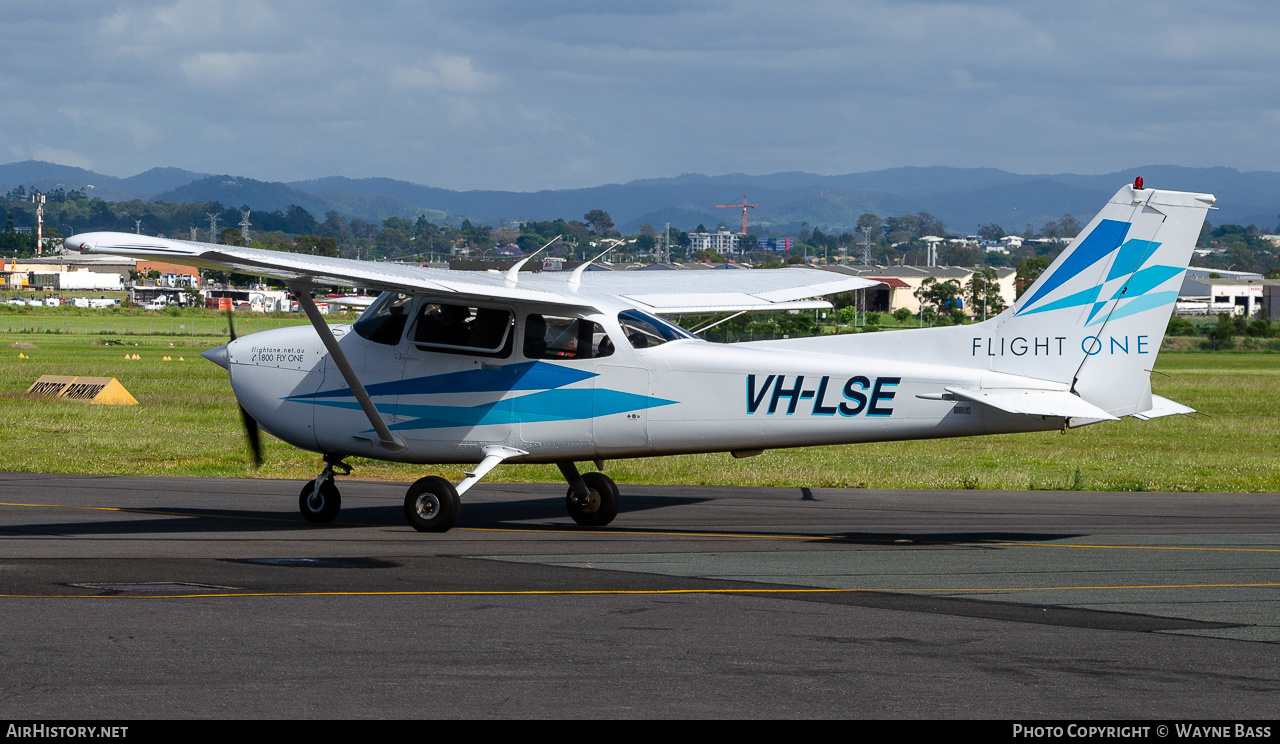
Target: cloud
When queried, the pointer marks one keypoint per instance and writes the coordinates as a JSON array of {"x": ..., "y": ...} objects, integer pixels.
[
  {"x": 446, "y": 73},
  {"x": 221, "y": 68},
  {"x": 61, "y": 157},
  {"x": 480, "y": 94}
]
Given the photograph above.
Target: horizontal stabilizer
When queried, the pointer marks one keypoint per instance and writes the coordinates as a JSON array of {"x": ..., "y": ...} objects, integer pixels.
[
  {"x": 1161, "y": 406},
  {"x": 1056, "y": 403}
]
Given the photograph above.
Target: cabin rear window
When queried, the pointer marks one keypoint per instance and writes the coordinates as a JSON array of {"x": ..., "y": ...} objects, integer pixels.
[{"x": 463, "y": 329}]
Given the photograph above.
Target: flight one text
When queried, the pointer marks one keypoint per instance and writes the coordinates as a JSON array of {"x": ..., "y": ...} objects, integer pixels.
[{"x": 1057, "y": 345}]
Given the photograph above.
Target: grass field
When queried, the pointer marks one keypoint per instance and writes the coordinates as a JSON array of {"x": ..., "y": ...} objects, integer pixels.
[{"x": 188, "y": 424}]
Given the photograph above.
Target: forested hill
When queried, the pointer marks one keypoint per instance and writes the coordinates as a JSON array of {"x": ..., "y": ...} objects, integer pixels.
[{"x": 962, "y": 198}]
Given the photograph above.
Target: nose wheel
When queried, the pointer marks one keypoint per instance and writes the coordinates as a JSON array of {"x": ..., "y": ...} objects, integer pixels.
[
  {"x": 320, "y": 504},
  {"x": 320, "y": 501}
]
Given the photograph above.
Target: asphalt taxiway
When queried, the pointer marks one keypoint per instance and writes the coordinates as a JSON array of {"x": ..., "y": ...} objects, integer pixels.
[{"x": 168, "y": 597}]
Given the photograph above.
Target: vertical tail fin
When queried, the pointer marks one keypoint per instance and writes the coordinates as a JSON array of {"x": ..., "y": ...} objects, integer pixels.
[{"x": 1096, "y": 317}]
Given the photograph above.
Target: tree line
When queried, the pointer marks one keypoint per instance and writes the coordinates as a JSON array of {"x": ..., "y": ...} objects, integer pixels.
[{"x": 891, "y": 240}]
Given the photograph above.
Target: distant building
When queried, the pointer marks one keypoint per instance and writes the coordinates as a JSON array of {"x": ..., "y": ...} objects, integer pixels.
[
  {"x": 901, "y": 282},
  {"x": 721, "y": 240},
  {"x": 1210, "y": 296},
  {"x": 171, "y": 275},
  {"x": 779, "y": 245},
  {"x": 1196, "y": 272}
]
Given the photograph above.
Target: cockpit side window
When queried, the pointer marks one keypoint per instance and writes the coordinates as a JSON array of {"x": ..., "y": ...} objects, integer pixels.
[
  {"x": 383, "y": 322},
  {"x": 555, "y": 337},
  {"x": 643, "y": 330}
]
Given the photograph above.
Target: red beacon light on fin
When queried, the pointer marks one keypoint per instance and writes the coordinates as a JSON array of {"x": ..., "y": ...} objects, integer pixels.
[{"x": 1137, "y": 183}]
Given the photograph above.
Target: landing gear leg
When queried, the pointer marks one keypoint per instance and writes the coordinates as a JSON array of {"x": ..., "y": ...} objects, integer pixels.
[
  {"x": 593, "y": 499},
  {"x": 320, "y": 501}
]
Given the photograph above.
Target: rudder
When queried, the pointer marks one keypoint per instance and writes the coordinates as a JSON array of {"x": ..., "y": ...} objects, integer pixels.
[{"x": 1099, "y": 312}]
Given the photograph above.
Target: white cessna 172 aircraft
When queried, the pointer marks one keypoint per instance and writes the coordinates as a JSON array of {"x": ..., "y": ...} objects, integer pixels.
[{"x": 470, "y": 367}]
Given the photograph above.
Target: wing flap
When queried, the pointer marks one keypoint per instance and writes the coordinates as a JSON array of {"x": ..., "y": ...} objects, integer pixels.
[
  {"x": 692, "y": 291},
  {"x": 671, "y": 303}
]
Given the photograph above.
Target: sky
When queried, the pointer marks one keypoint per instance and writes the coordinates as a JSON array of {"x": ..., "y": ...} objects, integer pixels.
[{"x": 572, "y": 93}]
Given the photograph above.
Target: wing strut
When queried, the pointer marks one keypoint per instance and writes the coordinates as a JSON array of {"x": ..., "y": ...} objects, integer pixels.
[{"x": 386, "y": 440}]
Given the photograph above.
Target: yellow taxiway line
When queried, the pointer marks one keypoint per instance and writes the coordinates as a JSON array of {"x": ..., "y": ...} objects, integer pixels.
[{"x": 636, "y": 592}]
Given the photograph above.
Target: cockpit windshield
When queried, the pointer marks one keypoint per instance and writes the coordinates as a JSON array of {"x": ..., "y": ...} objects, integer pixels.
[
  {"x": 643, "y": 330},
  {"x": 383, "y": 322}
]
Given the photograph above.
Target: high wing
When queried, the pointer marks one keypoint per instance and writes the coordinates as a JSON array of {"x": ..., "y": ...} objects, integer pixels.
[
  {"x": 317, "y": 269},
  {"x": 662, "y": 292}
]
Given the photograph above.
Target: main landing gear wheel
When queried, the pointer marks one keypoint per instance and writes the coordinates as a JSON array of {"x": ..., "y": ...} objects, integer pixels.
[
  {"x": 432, "y": 504},
  {"x": 601, "y": 504},
  {"x": 320, "y": 507}
]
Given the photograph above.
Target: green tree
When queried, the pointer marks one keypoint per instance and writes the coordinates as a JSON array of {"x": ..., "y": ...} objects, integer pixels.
[
  {"x": 317, "y": 245},
  {"x": 600, "y": 221},
  {"x": 231, "y": 236},
  {"x": 1029, "y": 271},
  {"x": 1259, "y": 328},
  {"x": 1180, "y": 327},
  {"x": 17, "y": 244},
  {"x": 870, "y": 225},
  {"x": 1227, "y": 328},
  {"x": 983, "y": 292},
  {"x": 941, "y": 296},
  {"x": 990, "y": 231},
  {"x": 393, "y": 239}
]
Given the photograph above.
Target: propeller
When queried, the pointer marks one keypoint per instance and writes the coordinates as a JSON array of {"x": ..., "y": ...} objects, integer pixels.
[{"x": 250, "y": 425}]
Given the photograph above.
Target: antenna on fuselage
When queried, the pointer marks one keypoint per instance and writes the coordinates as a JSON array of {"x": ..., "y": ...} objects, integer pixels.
[
  {"x": 513, "y": 273},
  {"x": 576, "y": 277}
]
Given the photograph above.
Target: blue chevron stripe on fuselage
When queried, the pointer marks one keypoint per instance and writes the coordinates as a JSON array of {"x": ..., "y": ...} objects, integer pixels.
[
  {"x": 545, "y": 402},
  {"x": 522, "y": 376}
]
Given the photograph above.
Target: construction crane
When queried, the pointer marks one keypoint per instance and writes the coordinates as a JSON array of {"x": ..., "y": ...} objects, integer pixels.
[{"x": 744, "y": 206}]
